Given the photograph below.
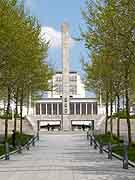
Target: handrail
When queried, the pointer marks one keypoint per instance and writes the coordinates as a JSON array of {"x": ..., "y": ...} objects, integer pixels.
[
  {"x": 108, "y": 149},
  {"x": 19, "y": 149}
]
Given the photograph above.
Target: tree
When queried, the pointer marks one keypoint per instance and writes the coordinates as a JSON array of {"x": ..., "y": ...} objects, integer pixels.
[
  {"x": 23, "y": 54},
  {"x": 110, "y": 35}
]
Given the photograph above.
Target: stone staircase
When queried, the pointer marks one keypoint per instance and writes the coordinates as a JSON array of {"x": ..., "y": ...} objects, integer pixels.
[{"x": 63, "y": 157}]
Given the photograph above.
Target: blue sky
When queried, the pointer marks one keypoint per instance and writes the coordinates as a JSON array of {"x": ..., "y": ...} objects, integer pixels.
[{"x": 51, "y": 14}]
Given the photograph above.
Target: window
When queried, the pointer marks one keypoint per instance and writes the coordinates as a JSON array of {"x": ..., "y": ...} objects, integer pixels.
[
  {"x": 73, "y": 89},
  {"x": 37, "y": 109},
  {"x": 58, "y": 78},
  {"x": 49, "y": 109},
  {"x": 60, "y": 108},
  {"x": 43, "y": 108},
  {"x": 55, "y": 109},
  {"x": 94, "y": 108},
  {"x": 73, "y": 78},
  {"x": 83, "y": 108},
  {"x": 72, "y": 108},
  {"x": 89, "y": 108},
  {"x": 77, "y": 108},
  {"x": 58, "y": 88}
]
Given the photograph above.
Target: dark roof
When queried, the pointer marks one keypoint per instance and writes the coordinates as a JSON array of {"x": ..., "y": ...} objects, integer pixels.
[
  {"x": 71, "y": 98},
  {"x": 71, "y": 72}
]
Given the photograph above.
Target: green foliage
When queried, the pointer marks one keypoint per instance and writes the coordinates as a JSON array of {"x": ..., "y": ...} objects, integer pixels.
[
  {"x": 24, "y": 69},
  {"x": 9, "y": 116},
  {"x": 20, "y": 139},
  {"x": 131, "y": 151},
  {"x": 107, "y": 138},
  {"x": 110, "y": 40},
  {"x": 121, "y": 115}
]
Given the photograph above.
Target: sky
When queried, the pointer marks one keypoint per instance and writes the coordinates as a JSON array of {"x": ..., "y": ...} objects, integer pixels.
[{"x": 51, "y": 14}]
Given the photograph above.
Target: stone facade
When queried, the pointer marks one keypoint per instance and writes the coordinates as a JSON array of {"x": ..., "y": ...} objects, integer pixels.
[{"x": 68, "y": 106}]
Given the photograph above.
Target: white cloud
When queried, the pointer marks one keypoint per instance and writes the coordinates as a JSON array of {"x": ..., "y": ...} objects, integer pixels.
[{"x": 54, "y": 37}]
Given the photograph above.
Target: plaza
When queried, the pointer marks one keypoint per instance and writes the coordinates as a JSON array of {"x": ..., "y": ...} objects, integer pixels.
[{"x": 66, "y": 156}]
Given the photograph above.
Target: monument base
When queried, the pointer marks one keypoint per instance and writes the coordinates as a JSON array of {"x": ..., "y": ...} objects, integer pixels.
[{"x": 66, "y": 123}]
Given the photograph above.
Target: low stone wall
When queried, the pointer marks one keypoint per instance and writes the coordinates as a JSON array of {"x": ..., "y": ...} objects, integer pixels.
[
  {"x": 123, "y": 127},
  {"x": 27, "y": 128}
]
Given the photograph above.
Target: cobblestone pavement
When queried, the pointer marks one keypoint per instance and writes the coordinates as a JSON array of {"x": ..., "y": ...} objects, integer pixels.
[{"x": 63, "y": 157}]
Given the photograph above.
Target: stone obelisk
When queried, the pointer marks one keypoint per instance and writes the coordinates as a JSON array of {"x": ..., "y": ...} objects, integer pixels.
[{"x": 66, "y": 125}]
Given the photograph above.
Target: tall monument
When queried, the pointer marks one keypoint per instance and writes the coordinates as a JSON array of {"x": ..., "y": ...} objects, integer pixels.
[{"x": 66, "y": 124}]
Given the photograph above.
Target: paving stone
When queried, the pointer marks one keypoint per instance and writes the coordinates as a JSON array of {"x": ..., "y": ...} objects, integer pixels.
[{"x": 66, "y": 156}]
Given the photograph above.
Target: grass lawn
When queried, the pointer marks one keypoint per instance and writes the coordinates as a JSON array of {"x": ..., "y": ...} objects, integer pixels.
[
  {"x": 106, "y": 139},
  {"x": 131, "y": 152},
  {"x": 20, "y": 139}
]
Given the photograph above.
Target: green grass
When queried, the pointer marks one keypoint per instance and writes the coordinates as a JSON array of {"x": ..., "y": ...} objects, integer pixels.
[
  {"x": 2, "y": 149},
  {"x": 106, "y": 139},
  {"x": 131, "y": 152},
  {"x": 122, "y": 115},
  {"x": 20, "y": 139}
]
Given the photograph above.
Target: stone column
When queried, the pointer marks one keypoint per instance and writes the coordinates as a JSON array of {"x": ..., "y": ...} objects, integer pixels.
[
  {"x": 86, "y": 108},
  {"x": 75, "y": 108},
  {"x": 46, "y": 108},
  {"x": 40, "y": 109},
  {"x": 80, "y": 109},
  {"x": 66, "y": 125},
  {"x": 52, "y": 109},
  {"x": 57, "y": 108},
  {"x": 92, "y": 112}
]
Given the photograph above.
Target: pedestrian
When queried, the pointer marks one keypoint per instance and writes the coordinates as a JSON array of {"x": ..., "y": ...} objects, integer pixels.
[
  {"x": 48, "y": 126},
  {"x": 83, "y": 127}
]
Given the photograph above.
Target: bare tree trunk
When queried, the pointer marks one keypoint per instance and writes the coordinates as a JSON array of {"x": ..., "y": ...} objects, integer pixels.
[
  {"x": 7, "y": 114},
  {"x": 21, "y": 110},
  {"x": 16, "y": 108},
  {"x": 106, "y": 122},
  {"x": 118, "y": 119},
  {"x": 28, "y": 103},
  {"x": 128, "y": 117},
  {"x": 127, "y": 102},
  {"x": 111, "y": 111}
]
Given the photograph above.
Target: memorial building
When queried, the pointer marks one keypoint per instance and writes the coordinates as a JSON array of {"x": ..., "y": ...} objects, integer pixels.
[{"x": 66, "y": 106}]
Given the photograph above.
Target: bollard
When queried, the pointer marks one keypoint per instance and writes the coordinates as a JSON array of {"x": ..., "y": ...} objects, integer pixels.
[
  {"x": 109, "y": 151},
  {"x": 87, "y": 135},
  {"x": 33, "y": 142},
  {"x": 19, "y": 149},
  {"x": 7, "y": 151},
  {"x": 101, "y": 148},
  {"x": 91, "y": 140},
  {"x": 38, "y": 136},
  {"x": 28, "y": 147},
  {"x": 125, "y": 157},
  {"x": 95, "y": 144}
]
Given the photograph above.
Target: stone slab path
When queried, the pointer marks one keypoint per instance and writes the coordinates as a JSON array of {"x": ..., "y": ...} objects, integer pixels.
[{"x": 63, "y": 157}]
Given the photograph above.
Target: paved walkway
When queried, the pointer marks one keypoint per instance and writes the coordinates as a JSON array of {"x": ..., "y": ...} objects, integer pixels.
[{"x": 63, "y": 157}]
